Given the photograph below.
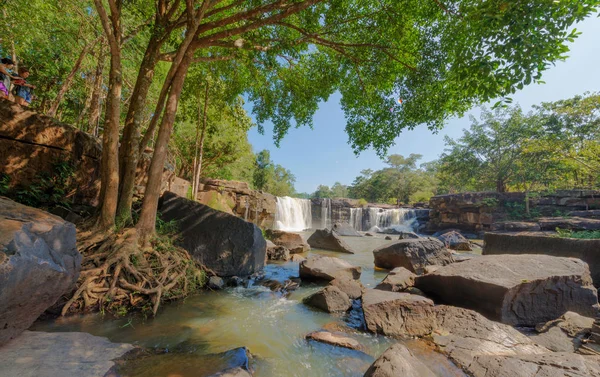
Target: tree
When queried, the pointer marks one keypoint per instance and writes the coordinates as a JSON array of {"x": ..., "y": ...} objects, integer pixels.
[
  {"x": 339, "y": 191},
  {"x": 323, "y": 191},
  {"x": 272, "y": 178}
]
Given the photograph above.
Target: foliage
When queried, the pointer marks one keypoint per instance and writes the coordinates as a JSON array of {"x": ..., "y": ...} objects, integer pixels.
[
  {"x": 490, "y": 202},
  {"x": 518, "y": 211},
  {"x": 583, "y": 235},
  {"x": 271, "y": 177},
  {"x": 48, "y": 189},
  {"x": 4, "y": 184}
]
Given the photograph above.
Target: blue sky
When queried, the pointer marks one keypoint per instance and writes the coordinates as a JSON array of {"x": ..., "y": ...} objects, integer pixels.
[{"x": 322, "y": 155}]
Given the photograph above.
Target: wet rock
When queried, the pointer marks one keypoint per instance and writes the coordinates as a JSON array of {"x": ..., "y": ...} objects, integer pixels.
[
  {"x": 297, "y": 258},
  {"x": 545, "y": 365},
  {"x": 573, "y": 223},
  {"x": 345, "y": 229},
  {"x": 330, "y": 299},
  {"x": 408, "y": 236},
  {"x": 412, "y": 254},
  {"x": 388, "y": 238},
  {"x": 368, "y": 234},
  {"x": 232, "y": 372},
  {"x": 515, "y": 289},
  {"x": 334, "y": 339},
  {"x": 353, "y": 288},
  {"x": 319, "y": 267},
  {"x": 328, "y": 240},
  {"x": 398, "y": 361},
  {"x": 455, "y": 241},
  {"x": 291, "y": 241},
  {"x": 58, "y": 354},
  {"x": 565, "y": 334},
  {"x": 39, "y": 262},
  {"x": 397, "y": 280},
  {"x": 216, "y": 283},
  {"x": 397, "y": 314},
  {"x": 275, "y": 252},
  {"x": 236, "y": 281},
  {"x": 224, "y": 243}
]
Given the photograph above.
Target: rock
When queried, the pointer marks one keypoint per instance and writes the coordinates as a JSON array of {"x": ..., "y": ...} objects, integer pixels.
[
  {"x": 398, "y": 361},
  {"x": 564, "y": 334},
  {"x": 368, "y": 234},
  {"x": 573, "y": 223},
  {"x": 39, "y": 262},
  {"x": 542, "y": 243},
  {"x": 545, "y": 365},
  {"x": 275, "y": 252},
  {"x": 223, "y": 243},
  {"x": 334, "y": 339},
  {"x": 455, "y": 241},
  {"x": 236, "y": 281},
  {"x": 59, "y": 354},
  {"x": 330, "y": 299},
  {"x": 388, "y": 238},
  {"x": 216, "y": 283},
  {"x": 589, "y": 214},
  {"x": 516, "y": 226},
  {"x": 412, "y": 254},
  {"x": 328, "y": 240},
  {"x": 408, "y": 236},
  {"x": 345, "y": 229},
  {"x": 397, "y": 314},
  {"x": 319, "y": 267},
  {"x": 297, "y": 258},
  {"x": 515, "y": 289},
  {"x": 353, "y": 288},
  {"x": 232, "y": 372},
  {"x": 397, "y": 280},
  {"x": 291, "y": 241}
]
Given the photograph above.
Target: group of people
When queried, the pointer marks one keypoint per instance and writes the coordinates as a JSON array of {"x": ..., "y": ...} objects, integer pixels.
[{"x": 22, "y": 92}]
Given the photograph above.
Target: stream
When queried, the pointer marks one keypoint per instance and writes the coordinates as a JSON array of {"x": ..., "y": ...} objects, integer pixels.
[{"x": 197, "y": 332}]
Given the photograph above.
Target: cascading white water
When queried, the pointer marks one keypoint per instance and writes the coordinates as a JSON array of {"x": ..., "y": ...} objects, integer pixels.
[
  {"x": 293, "y": 214},
  {"x": 378, "y": 219},
  {"x": 326, "y": 214}
]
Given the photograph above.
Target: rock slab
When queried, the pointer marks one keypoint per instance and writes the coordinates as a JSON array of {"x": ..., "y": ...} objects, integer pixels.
[
  {"x": 397, "y": 280},
  {"x": 519, "y": 290},
  {"x": 319, "y": 267},
  {"x": 329, "y": 299},
  {"x": 398, "y": 361},
  {"x": 291, "y": 241},
  {"x": 223, "y": 243},
  {"x": 345, "y": 229},
  {"x": 413, "y": 254},
  {"x": 39, "y": 262},
  {"x": 334, "y": 339},
  {"x": 328, "y": 240}
]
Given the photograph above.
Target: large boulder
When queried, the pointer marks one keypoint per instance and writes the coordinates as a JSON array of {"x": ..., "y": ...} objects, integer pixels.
[
  {"x": 39, "y": 262},
  {"x": 408, "y": 235},
  {"x": 556, "y": 364},
  {"x": 455, "y": 241},
  {"x": 319, "y": 267},
  {"x": 541, "y": 243},
  {"x": 328, "y": 240},
  {"x": 397, "y": 280},
  {"x": 515, "y": 289},
  {"x": 223, "y": 243},
  {"x": 413, "y": 254},
  {"x": 353, "y": 288},
  {"x": 345, "y": 229},
  {"x": 329, "y": 299},
  {"x": 291, "y": 241},
  {"x": 398, "y": 361},
  {"x": 275, "y": 252}
]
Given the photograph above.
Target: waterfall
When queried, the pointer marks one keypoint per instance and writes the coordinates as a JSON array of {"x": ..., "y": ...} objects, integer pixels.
[
  {"x": 292, "y": 214},
  {"x": 377, "y": 219},
  {"x": 326, "y": 214}
]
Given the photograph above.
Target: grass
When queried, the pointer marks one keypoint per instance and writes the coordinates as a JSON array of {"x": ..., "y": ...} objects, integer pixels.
[{"x": 582, "y": 235}]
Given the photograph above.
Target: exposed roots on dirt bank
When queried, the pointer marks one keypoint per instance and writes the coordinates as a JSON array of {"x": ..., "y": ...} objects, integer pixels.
[{"x": 119, "y": 275}]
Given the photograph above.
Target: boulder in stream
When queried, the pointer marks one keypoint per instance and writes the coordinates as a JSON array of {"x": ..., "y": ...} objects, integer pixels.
[
  {"x": 328, "y": 240},
  {"x": 353, "y": 288},
  {"x": 519, "y": 290},
  {"x": 334, "y": 339},
  {"x": 345, "y": 229},
  {"x": 397, "y": 280},
  {"x": 223, "y": 243},
  {"x": 408, "y": 235},
  {"x": 39, "y": 262},
  {"x": 318, "y": 267},
  {"x": 413, "y": 254},
  {"x": 291, "y": 241},
  {"x": 565, "y": 334},
  {"x": 330, "y": 299},
  {"x": 398, "y": 361},
  {"x": 276, "y": 252},
  {"x": 455, "y": 241}
]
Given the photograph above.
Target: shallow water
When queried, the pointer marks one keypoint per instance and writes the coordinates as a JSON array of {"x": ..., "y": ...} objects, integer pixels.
[{"x": 270, "y": 325}]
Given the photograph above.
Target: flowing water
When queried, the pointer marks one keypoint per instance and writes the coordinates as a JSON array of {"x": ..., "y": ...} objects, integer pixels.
[
  {"x": 293, "y": 214},
  {"x": 379, "y": 219},
  {"x": 271, "y": 325}
]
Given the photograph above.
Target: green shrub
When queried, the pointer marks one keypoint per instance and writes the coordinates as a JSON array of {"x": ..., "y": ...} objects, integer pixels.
[
  {"x": 362, "y": 202},
  {"x": 48, "y": 190},
  {"x": 582, "y": 235},
  {"x": 490, "y": 202}
]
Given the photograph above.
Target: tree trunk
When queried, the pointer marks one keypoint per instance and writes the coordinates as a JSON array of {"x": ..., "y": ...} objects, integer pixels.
[
  {"x": 500, "y": 186},
  {"x": 129, "y": 152},
  {"x": 88, "y": 101},
  {"x": 69, "y": 79},
  {"x": 527, "y": 203},
  {"x": 200, "y": 146},
  {"x": 96, "y": 92},
  {"x": 147, "y": 223}
]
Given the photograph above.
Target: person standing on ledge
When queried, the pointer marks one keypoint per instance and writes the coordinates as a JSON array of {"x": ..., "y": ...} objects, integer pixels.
[
  {"x": 22, "y": 90},
  {"x": 5, "y": 76}
]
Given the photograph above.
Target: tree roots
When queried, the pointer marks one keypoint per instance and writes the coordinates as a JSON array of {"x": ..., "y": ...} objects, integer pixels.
[{"x": 118, "y": 274}]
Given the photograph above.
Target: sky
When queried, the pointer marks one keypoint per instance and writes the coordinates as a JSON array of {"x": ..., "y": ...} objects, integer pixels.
[{"x": 322, "y": 155}]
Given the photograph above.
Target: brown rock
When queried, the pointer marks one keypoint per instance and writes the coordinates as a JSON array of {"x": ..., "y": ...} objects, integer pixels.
[
  {"x": 334, "y": 339},
  {"x": 408, "y": 235},
  {"x": 397, "y": 280},
  {"x": 328, "y": 240},
  {"x": 515, "y": 289},
  {"x": 275, "y": 252},
  {"x": 292, "y": 241},
  {"x": 545, "y": 365},
  {"x": 319, "y": 267},
  {"x": 330, "y": 299},
  {"x": 564, "y": 334},
  {"x": 398, "y": 361},
  {"x": 297, "y": 258},
  {"x": 516, "y": 226},
  {"x": 455, "y": 241},
  {"x": 574, "y": 223},
  {"x": 353, "y": 288},
  {"x": 412, "y": 254},
  {"x": 345, "y": 229},
  {"x": 232, "y": 372}
]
